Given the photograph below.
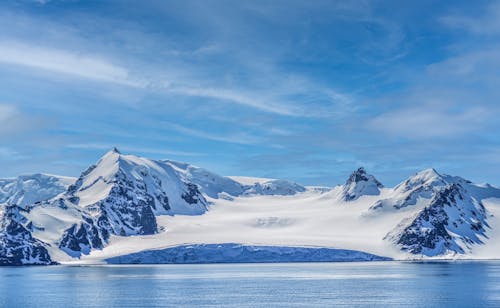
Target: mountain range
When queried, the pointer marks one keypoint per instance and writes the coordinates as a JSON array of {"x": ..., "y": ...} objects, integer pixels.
[{"x": 130, "y": 209}]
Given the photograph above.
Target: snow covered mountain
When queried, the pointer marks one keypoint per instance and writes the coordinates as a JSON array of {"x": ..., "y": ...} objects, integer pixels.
[
  {"x": 29, "y": 189},
  {"x": 422, "y": 186},
  {"x": 121, "y": 195},
  {"x": 451, "y": 223},
  {"x": 129, "y": 205},
  {"x": 360, "y": 184}
]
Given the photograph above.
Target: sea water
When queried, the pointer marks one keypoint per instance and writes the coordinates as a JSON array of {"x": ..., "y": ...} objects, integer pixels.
[{"x": 422, "y": 284}]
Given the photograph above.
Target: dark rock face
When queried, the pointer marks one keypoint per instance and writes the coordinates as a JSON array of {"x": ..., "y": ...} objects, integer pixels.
[
  {"x": 360, "y": 183},
  {"x": 451, "y": 223},
  {"x": 127, "y": 210},
  {"x": 17, "y": 245},
  {"x": 82, "y": 238},
  {"x": 192, "y": 195}
]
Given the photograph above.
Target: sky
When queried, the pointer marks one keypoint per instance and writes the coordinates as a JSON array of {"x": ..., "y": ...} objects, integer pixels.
[{"x": 300, "y": 90}]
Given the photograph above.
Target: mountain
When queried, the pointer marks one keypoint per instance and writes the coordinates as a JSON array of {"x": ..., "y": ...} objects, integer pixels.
[
  {"x": 121, "y": 195},
  {"x": 360, "y": 184},
  {"x": 422, "y": 186},
  {"x": 450, "y": 224},
  {"x": 29, "y": 189},
  {"x": 126, "y": 208}
]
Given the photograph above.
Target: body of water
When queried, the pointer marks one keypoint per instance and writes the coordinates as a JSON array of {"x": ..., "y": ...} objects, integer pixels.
[{"x": 454, "y": 284}]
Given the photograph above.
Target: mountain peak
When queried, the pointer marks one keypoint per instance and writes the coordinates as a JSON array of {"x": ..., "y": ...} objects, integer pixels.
[
  {"x": 360, "y": 175},
  {"x": 428, "y": 173},
  {"x": 427, "y": 178},
  {"x": 114, "y": 152},
  {"x": 360, "y": 183}
]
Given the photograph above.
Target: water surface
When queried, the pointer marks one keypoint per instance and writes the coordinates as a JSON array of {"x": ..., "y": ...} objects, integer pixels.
[{"x": 456, "y": 284}]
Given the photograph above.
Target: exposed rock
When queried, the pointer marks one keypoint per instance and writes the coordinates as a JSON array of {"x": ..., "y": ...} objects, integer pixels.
[{"x": 17, "y": 245}]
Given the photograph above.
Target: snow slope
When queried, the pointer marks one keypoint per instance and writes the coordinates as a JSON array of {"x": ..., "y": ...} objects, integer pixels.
[{"x": 307, "y": 219}]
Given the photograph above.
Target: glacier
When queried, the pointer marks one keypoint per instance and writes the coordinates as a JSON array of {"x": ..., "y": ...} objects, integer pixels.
[{"x": 237, "y": 253}]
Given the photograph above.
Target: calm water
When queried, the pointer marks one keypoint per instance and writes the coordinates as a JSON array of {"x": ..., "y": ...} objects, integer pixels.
[{"x": 457, "y": 284}]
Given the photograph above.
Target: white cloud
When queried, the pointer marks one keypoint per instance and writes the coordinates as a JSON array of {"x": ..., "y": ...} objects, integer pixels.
[
  {"x": 99, "y": 69},
  {"x": 486, "y": 24},
  {"x": 239, "y": 98},
  {"x": 428, "y": 121},
  {"x": 7, "y": 113},
  {"x": 239, "y": 138},
  {"x": 471, "y": 66},
  {"x": 65, "y": 62},
  {"x": 7, "y": 153},
  {"x": 14, "y": 123}
]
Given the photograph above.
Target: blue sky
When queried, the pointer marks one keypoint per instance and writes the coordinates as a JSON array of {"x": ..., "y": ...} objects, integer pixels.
[{"x": 303, "y": 90}]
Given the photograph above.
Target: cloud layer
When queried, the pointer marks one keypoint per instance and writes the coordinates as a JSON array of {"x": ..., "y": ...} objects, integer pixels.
[{"x": 297, "y": 89}]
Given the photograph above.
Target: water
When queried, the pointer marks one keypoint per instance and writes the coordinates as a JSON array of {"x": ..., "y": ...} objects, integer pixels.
[{"x": 455, "y": 284}]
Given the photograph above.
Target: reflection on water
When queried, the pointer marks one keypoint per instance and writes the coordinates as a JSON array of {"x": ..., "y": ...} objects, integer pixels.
[{"x": 457, "y": 284}]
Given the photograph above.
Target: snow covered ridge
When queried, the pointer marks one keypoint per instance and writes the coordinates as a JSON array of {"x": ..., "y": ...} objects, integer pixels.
[
  {"x": 28, "y": 189},
  {"x": 125, "y": 204}
]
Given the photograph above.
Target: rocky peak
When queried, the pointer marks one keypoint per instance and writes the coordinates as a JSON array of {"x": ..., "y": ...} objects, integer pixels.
[{"x": 360, "y": 183}]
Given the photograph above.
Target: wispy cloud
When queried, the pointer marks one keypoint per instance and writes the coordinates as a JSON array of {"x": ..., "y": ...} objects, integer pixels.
[
  {"x": 238, "y": 138},
  {"x": 487, "y": 23},
  {"x": 96, "y": 68},
  {"x": 8, "y": 113},
  {"x": 14, "y": 122},
  {"x": 7, "y": 153},
  {"x": 238, "y": 97},
  {"x": 429, "y": 121},
  {"x": 65, "y": 62}
]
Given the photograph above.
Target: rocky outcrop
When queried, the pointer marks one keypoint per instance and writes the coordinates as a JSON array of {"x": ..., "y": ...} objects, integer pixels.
[{"x": 17, "y": 245}]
